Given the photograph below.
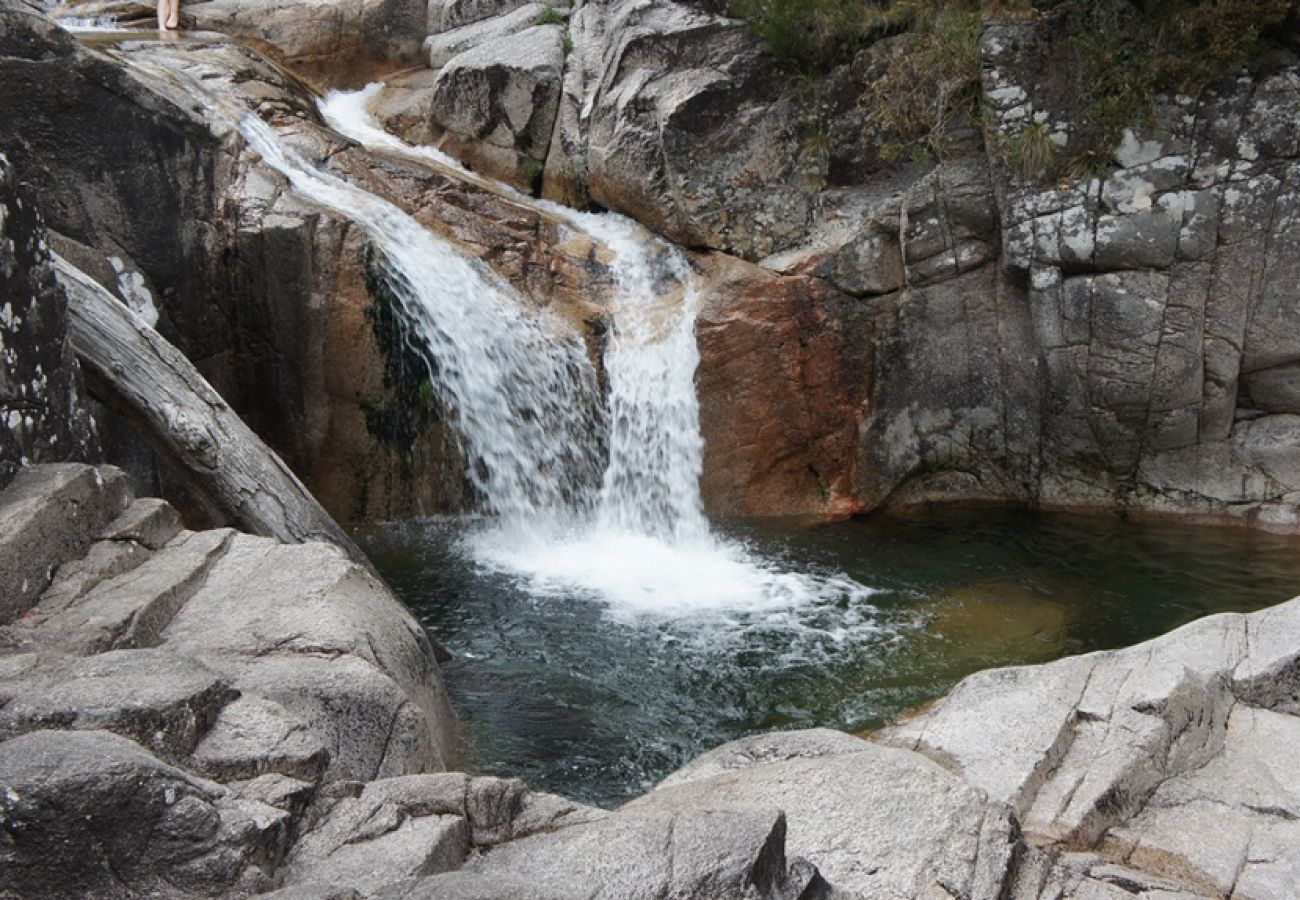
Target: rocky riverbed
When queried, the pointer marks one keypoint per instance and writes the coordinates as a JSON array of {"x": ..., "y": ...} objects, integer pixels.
[{"x": 209, "y": 713}]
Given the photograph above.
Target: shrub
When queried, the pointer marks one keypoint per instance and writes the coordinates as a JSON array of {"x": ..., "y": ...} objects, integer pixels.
[
  {"x": 1031, "y": 152},
  {"x": 811, "y": 33},
  {"x": 550, "y": 16},
  {"x": 533, "y": 174},
  {"x": 1129, "y": 52},
  {"x": 930, "y": 83}
]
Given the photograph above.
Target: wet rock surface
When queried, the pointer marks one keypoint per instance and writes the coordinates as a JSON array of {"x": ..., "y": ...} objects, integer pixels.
[
  {"x": 44, "y": 416},
  {"x": 338, "y": 43}
]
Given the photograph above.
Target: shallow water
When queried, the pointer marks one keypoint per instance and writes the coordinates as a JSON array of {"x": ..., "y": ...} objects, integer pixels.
[{"x": 584, "y": 691}]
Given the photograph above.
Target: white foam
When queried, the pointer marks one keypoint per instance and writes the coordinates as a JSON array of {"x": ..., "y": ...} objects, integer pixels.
[
  {"x": 346, "y": 113},
  {"x": 639, "y": 575}
]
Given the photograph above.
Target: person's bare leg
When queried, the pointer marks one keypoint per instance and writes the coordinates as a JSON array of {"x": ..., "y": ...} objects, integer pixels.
[
  {"x": 162, "y": 14},
  {"x": 174, "y": 20}
]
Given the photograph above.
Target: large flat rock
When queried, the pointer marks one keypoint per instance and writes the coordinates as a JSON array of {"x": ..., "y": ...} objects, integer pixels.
[
  {"x": 1232, "y": 826},
  {"x": 1166, "y": 759},
  {"x": 308, "y": 628},
  {"x": 644, "y": 853},
  {"x": 875, "y": 821}
]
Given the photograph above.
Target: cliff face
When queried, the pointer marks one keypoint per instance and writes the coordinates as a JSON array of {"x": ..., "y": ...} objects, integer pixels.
[
  {"x": 43, "y": 412},
  {"x": 1127, "y": 340},
  {"x": 875, "y": 332},
  {"x": 275, "y": 301},
  {"x": 252, "y": 287}
]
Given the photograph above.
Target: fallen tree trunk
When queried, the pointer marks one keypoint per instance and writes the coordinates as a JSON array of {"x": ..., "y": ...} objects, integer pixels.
[{"x": 132, "y": 370}]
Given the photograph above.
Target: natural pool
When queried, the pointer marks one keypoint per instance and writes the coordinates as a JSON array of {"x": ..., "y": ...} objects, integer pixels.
[{"x": 598, "y": 703}]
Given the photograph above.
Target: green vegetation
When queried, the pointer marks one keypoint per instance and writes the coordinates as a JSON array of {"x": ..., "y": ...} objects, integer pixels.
[
  {"x": 930, "y": 84},
  {"x": 812, "y": 33},
  {"x": 1030, "y": 153},
  {"x": 533, "y": 175},
  {"x": 816, "y": 34},
  {"x": 816, "y": 149},
  {"x": 1126, "y": 52},
  {"x": 550, "y": 16},
  {"x": 411, "y": 405}
]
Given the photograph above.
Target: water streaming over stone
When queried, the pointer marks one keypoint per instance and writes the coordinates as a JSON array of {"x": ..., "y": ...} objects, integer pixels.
[
  {"x": 518, "y": 379},
  {"x": 651, "y": 482},
  {"x": 643, "y": 544}
]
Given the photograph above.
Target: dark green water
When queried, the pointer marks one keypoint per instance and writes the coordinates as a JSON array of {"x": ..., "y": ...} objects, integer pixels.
[{"x": 574, "y": 698}]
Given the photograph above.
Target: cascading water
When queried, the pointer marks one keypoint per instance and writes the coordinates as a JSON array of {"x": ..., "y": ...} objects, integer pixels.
[
  {"x": 616, "y": 633},
  {"x": 651, "y": 483},
  {"x": 518, "y": 380},
  {"x": 646, "y": 547}
]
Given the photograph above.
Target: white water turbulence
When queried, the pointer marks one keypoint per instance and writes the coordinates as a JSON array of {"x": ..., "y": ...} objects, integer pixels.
[
  {"x": 58, "y": 10},
  {"x": 645, "y": 547},
  {"x": 517, "y": 379}
]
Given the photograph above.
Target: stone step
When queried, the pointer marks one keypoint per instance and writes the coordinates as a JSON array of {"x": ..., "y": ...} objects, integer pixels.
[
  {"x": 50, "y": 515},
  {"x": 99, "y": 816},
  {"x": 160, "y": 700},
  {"x": 131, "y": 609},
  {"x": 127, "y": 541},
  {"x": 255, "y": 736},
  {"x": 149, "y": 522}
]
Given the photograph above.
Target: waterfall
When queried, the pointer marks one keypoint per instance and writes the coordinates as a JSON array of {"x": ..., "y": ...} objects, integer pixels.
[
  {"x": 520, "y": 386},
  {"x": 612, "y": 501},
  {"x": 650, "y": 484},
  {"x": 106, "y": 22}
]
